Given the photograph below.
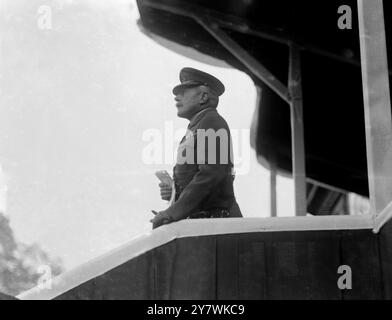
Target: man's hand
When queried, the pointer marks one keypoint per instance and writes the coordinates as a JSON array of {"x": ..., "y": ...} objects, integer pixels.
[
  {"x": 166, "y": 191},
  {"x": 160, "y": 219}
]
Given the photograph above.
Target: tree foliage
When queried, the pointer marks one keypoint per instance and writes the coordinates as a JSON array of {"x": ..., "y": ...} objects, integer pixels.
[{"x": 22, "y": 265}]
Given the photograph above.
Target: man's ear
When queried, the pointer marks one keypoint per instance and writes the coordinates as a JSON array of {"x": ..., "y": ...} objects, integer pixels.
[{"x": 204, "y": 98}]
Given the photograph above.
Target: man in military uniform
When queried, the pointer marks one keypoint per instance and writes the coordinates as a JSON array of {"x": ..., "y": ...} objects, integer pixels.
[{"x": 203, "y": 175}]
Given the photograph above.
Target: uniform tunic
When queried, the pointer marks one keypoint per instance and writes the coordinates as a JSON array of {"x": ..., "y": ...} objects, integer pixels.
[{"x": 203, "y": 174}]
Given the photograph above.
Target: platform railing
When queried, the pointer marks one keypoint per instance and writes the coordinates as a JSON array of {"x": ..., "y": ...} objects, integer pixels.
[{"x": 189, "y": 228}]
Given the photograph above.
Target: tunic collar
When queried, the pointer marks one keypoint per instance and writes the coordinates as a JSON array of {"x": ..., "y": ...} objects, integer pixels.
[{"x": 198, "y": 116}]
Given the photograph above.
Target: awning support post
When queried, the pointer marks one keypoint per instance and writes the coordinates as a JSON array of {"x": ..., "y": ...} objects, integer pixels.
[
  {"x": 273, "y": 194},
  {"x": 297, "y": 130},
  {"x": 377, "y": 104}
]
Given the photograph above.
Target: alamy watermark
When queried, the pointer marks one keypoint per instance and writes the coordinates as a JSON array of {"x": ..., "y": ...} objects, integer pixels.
[
  {"x": 45, "y": 280},
  {"x": 200, "y": 147},
  {"x": 44, "y": 17},
  {"x": 345, "y": 21},
  {"x": 345, "y": 280}
]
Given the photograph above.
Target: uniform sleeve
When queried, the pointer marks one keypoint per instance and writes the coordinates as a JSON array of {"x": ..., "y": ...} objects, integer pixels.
[{"x": 209, "y": 174}]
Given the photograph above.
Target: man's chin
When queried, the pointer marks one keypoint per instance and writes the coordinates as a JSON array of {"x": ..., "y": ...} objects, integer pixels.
[
  {"x": 184, "y": 113},
  {"x": 180, "y": 114}
]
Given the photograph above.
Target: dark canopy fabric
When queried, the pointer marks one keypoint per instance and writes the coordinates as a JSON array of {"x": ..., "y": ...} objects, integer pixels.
[{"x": 332, "y": 88}]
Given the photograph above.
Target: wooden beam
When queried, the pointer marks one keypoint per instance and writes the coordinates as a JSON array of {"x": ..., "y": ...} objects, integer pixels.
[
  {"x": 297, "y": 131},
  {"x": 242, "y": 55},
  {"x": 382, "y": 218},
  {"x": 312, "y": 193},
  {"x": 326, "y": 186},
  {"x": 377, "y": 104}
]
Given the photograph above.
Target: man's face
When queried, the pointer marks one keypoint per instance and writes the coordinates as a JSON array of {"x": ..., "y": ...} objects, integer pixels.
[{"x": 188, "y": 102}]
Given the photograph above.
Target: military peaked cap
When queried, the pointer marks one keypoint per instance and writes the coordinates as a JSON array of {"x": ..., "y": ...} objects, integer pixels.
[{"x": 190, "y": 77}]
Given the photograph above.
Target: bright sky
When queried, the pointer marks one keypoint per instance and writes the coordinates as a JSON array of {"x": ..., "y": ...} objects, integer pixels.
[{"x": 77, "y": 104}]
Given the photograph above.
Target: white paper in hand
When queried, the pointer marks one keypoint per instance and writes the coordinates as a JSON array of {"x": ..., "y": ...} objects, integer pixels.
[{"x": 165, "y": 177}]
